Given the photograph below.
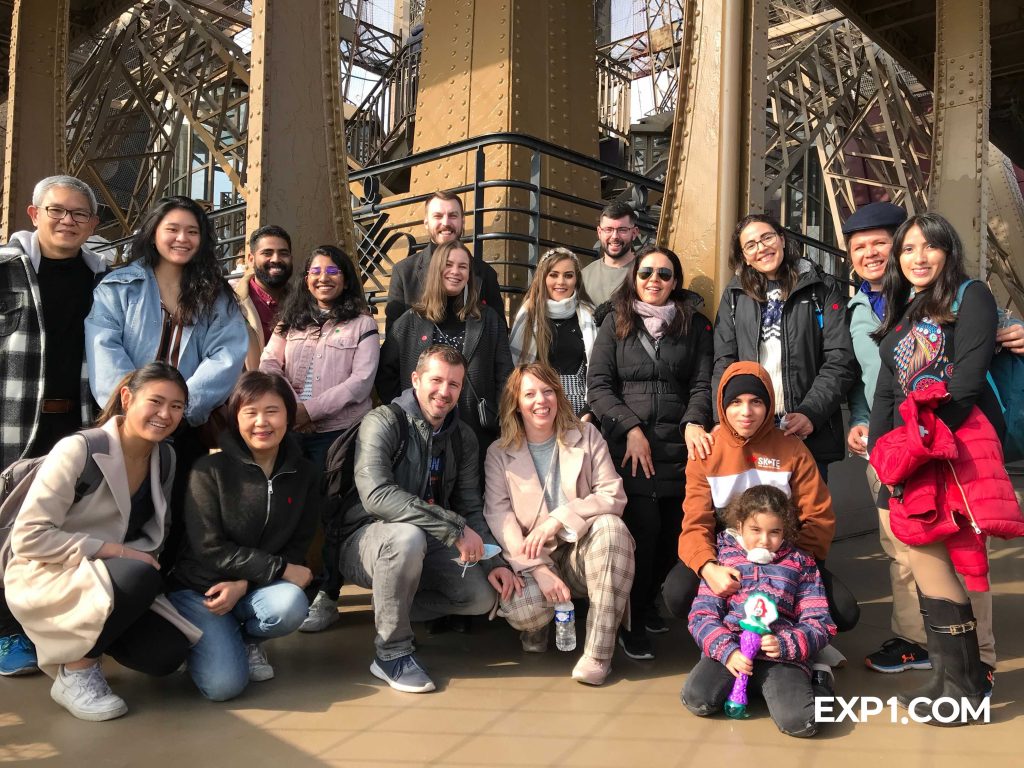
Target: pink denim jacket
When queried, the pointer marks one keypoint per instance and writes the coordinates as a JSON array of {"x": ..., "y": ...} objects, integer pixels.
[{"x": 344, "y": 358}]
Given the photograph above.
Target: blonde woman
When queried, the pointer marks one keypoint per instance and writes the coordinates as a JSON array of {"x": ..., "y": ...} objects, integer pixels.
[
  {"x": 556, "y": 324},
  {"x": 450, "y": 312},
  {"x": 554, "y": 503}
]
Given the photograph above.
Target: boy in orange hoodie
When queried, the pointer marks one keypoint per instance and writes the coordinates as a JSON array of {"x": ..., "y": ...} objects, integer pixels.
[{"x": 750, "y": 450}]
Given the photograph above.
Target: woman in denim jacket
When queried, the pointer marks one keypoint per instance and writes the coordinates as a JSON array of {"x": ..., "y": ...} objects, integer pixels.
[{"x": 171, "y": 304}]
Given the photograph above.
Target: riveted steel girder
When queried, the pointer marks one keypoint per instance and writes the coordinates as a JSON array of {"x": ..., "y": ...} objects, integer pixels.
[
  {"x": 707, "y": 184},
  {"x": 960, "y": 147},
  {"x": 34, "y": 146},
  {"x": 296, "y": 174}
]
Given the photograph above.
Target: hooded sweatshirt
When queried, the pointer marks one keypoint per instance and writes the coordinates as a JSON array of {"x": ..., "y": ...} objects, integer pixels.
[{"x": 768, "y": 457}]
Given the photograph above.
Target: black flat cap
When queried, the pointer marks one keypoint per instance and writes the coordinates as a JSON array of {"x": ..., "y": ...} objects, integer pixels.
[{"x": 875, "y": 216}]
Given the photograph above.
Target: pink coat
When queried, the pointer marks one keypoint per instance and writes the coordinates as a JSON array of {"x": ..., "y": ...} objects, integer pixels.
[
  {"x": 514, "y": 502},
  {"x": 955, "y": 486},
  {"x": 344, "y": 360}
]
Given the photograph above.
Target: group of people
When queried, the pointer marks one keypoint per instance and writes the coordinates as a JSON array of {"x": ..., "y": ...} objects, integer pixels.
[{"x": 614, "y": 444}]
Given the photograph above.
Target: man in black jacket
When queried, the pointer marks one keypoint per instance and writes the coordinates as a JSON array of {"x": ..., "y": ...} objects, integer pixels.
[
  {"x": 444, "y": 220},
  {"x": 416, "y": 530}
]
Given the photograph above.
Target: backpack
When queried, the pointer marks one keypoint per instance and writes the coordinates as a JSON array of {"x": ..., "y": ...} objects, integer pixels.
[
  {"x": 1006, "y": 377},
  {"x": 17, "y": 478}
]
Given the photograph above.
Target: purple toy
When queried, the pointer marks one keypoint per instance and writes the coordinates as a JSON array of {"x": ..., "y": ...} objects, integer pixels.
[{"x": 760, "y": 611}]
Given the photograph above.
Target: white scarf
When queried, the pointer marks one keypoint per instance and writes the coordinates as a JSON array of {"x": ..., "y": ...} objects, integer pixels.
[{"x": 557, "y": 310}]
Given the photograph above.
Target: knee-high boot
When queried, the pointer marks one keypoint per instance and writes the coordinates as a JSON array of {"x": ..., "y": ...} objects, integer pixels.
[
  {"x": 953, "y": 648},
  {"x": 933, "y": 688}
]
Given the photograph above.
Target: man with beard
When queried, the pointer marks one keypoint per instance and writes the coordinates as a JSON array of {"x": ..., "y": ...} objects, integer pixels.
[
  {"x": 444, "y": 221},
  {"x": 417, "y": 525},
  {"x": 616, "y": 232},
  {"x": 263, "y": 286}
]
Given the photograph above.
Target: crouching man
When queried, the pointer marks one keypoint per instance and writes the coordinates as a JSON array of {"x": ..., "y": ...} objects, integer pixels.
[{"x": 419, "y": 510}]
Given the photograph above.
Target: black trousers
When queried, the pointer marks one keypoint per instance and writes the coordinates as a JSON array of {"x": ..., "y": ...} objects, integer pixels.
[
  {"x": 654, "y": 524},
  {"x": 682, "y": 584},
  {"x": 133, "y": 635},
  {"x": 786, "y": 689},
  {"x": 188, "y": 448},
  {"x": 8, "y": 624}
]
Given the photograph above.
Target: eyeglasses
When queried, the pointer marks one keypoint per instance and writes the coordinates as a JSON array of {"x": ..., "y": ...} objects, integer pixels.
[
  {"x": 767, "y": 240},
  {"x": 664, "y": 273},
  {"x": 331, "y": 270},
  {"x": 57, "y": 212},
  {"x": 620, "y": 231}
]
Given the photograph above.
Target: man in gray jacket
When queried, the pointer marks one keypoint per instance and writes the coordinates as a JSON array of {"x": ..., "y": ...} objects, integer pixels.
[{"x": 417, "y": 517}]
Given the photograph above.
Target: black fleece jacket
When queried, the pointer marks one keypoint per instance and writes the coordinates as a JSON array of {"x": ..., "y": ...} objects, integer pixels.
[{"x": 242, "y": 524}]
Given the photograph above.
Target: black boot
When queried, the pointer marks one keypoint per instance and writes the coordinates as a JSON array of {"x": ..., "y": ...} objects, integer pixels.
[
  {"x": 953, "y": 648},
  {"x": 933, "y": 688}
]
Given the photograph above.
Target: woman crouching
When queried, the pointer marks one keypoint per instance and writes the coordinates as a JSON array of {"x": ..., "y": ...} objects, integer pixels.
[
  {"x": 81, "y": 572},
  {"x": 250, "y": 513},
  {"x": 554, "y": 502}
]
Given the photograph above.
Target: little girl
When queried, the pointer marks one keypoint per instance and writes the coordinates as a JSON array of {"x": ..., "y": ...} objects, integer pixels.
[{"x": 763, "y": 523}]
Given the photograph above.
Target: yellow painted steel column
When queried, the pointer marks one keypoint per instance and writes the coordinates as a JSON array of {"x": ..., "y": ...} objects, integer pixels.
[
  {"x": 960, "y": 138},
  {"x": 715, "y": 171},
  {"x": 34, "y": 146},
  {"x": 519, "y": 66},
  {"x": 296, "y": 174}
]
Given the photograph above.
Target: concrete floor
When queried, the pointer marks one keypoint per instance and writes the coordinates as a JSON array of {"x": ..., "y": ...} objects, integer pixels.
[{"x": 496, "y": 706}]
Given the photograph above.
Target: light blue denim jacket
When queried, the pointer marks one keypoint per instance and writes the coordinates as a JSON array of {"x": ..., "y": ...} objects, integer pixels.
[{"x": 122, "y": 333}]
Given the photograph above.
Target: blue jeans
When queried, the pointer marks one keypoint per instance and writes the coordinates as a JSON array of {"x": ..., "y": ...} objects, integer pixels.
[{"x": 219, "y": 662}]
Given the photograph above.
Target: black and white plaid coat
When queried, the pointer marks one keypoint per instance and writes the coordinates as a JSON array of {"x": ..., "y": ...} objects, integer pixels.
[{"x": 23, "y": 350}]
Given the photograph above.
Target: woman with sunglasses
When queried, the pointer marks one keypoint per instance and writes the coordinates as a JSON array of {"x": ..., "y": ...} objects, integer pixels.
[
  {"x": 649, "y": 383},
  {"x": 781, "y": 311},
  {"x": 450, "y": 312},
  {"x": 327, "y": 348},
  {"x": 555, "y": 324}
]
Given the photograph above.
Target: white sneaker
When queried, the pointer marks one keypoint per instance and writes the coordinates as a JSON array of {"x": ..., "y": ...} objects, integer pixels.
[
  {"x": 85, "y": 694},
  {"x": 259, "y": 667},
  {"x": 322, "y": 613}
]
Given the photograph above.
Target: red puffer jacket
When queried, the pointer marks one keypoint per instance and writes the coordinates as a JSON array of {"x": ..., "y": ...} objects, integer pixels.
[{"x": 955, "y": 486}]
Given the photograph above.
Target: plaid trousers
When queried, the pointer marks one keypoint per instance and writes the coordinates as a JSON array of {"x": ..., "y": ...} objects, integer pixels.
[{"x": 599, "y": 567}]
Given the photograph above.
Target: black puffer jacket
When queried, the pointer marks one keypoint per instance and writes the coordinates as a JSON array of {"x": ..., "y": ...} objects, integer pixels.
[
  {"x": 818, "y": 366},
  {"x": 486, "y": 351},
  {"x": 242, "y": 525},
  {"x": 625, "y": 391}
]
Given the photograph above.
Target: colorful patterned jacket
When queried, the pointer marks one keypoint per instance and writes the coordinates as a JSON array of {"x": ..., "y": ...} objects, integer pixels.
[{"x": 804, "y": 625}]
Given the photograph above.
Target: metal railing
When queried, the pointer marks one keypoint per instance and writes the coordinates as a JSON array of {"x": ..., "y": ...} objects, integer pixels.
[
  {"x": 380, "y": 235},
  {"x": 387, "y": 111}
]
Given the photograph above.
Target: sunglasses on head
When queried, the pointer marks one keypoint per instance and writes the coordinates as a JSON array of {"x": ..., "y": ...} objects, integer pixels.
[
  {"x": 644, "y": 273},
  {"x": 332, "y": 270}
]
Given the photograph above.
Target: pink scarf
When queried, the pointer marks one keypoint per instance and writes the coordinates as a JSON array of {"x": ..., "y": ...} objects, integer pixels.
[{"x": 656, "y": 319}]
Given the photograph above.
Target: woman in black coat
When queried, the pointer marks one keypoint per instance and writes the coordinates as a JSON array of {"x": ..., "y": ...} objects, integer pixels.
[
  {"x": 250, "y": 513},
  {"x": 649, "y": 383},
  {"x": 782, "y": 312},
  {"x": 450, "y": 312}
]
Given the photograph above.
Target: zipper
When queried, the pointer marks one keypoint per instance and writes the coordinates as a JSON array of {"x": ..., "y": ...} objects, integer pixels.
[
  {"x": 270, "y": 493},
  {"x": 967, "y": 506}
]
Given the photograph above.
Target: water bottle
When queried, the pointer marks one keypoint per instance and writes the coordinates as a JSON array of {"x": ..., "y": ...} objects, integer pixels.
[{"x": 565, "y": 626}]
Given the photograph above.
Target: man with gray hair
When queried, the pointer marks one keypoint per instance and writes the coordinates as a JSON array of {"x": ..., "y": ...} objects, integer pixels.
[{"x": 46, "y": 282}]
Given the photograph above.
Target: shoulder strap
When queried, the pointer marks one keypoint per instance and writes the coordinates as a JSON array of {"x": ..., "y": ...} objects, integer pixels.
[
  {"x": 96, "y": 441},
  {"x": 960, "y": 295},
  {"x": 403, "y": 433},
  {"x": 366, "y": 335}
]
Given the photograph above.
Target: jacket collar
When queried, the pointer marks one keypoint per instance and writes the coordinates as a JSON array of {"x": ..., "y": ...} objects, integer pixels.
[
  {"x": 28, "y": 241},
  {"x": 571, "y": 453},
  {"x": 112, "y": 467},
  {"x": 289, "y": 452}
]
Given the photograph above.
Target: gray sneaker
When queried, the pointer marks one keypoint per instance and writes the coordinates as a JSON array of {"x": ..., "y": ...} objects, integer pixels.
[
  {"x": 259, "y": 667},
  {"x": 85, "y": 694},
  {"x": 402, "y": 674},
  {"x": 322, "y": 613}
]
